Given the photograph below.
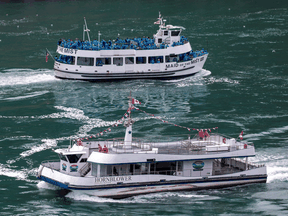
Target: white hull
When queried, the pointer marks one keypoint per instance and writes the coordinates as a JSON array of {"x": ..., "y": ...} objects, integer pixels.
[
  {"x": 160, "y": 71},
  {"x": 127, "y": 186}
]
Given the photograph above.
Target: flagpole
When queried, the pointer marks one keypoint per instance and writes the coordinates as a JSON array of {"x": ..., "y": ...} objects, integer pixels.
[{"x": 50, "y": 54}]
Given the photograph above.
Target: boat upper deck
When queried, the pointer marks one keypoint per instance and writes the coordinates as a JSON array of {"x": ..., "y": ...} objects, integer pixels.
[
  {"x": 144, "y": 43},
  {"x": 213, "y": 144}
]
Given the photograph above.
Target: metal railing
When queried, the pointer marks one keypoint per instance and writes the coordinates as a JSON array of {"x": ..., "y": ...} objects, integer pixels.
[
  {"x": 215, "y": 143},
  {"x": 52, "y": 164}
]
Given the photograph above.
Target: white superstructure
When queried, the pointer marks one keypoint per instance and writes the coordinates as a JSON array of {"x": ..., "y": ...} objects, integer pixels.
[
  {"x": 167, "y": 55},
  {"x": 124, "y": 167}
]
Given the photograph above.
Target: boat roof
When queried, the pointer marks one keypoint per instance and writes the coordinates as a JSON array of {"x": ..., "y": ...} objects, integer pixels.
[
  {"x": 130, "y": 158},
  {"x": 71, "y": 151}
]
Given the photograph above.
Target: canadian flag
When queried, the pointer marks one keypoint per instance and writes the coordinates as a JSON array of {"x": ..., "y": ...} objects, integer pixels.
[
  {"x": 241, "y": 135},
  {"x": 47, "y": 54},
  {"x": 134, "y": 101}
]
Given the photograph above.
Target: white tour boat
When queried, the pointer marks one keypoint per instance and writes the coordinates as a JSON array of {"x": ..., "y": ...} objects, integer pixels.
[
  {"x": 167, "y": 55},
  {"x": 124, "y": 167}
]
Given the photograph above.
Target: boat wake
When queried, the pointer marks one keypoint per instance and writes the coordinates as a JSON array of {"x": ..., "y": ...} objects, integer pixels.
[
  {"x": 186, "y": 197},
  {"x": 18, "y": 76}
]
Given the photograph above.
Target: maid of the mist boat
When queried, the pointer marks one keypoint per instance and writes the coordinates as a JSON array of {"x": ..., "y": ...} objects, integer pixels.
[
  {"x": 124, "y": 167},
  {"x": 167, "y": 55}
]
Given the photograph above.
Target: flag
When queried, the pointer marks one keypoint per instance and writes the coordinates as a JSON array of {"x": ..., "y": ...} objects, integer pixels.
[
  {"x": 134, "y": 101},
  {"x": 241, "y": 135},
  {"x": 47, "y": 54},
  {"x": 129, "y": 109}
]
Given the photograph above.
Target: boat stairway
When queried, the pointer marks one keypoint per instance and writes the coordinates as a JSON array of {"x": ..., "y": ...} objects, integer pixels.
[{"x": 85, "y": 169}]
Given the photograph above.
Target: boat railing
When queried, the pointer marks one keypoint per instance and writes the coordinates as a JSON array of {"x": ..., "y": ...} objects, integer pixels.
[
  {"x": 250, "y": 165},
  {"x": 52, "y": 164},
  {"x": 212, "y": 144},
  {"x": 85, "y": 169}
]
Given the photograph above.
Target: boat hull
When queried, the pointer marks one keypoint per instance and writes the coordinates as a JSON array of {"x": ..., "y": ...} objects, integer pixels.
[
  {"x": 123, "y": 189},
  {"x": 165, "y": 71}
]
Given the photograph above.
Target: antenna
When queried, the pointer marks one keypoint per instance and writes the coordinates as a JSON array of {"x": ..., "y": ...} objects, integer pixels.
[{"x": 87, "y": 30}]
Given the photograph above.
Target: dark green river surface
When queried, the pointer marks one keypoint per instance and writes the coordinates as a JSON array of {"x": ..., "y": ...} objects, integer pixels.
[{"x": 243, "y": 86}]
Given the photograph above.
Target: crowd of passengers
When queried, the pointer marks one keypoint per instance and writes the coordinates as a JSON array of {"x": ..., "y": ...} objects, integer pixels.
[
  {"x": 144, "y": 43},
  {"x": 152, "y": 60}
]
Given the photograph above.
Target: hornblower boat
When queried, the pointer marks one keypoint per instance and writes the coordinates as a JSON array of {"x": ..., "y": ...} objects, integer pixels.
[
  {"x": 167, "y": 55},
  {"x": 124, "y": 167}
]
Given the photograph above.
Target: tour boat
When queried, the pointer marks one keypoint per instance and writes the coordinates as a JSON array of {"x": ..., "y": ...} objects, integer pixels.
[
  {"x": 167, "y": 55},
  {"x": 124, "y": 167}
]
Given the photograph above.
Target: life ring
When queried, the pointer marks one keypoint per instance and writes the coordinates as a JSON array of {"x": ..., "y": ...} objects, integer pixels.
[
  {"x": 245, "y": 146},
  {"x": 224, "y": 140}
]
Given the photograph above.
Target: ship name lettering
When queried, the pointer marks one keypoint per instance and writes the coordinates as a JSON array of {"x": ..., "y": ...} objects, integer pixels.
[
  {"x": 172, "y": 65},
  {"x": 194, "y": 61},
  {"x": 113, "y": 179},
  {"x": 67, "y": 50}
]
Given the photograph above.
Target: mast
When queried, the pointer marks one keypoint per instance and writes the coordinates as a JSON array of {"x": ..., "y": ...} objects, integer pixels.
[
  {"x": 87, "y": 30},
  {"x": 128, "y": 125}
]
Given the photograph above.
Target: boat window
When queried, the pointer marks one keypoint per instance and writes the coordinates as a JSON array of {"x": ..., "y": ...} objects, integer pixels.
[
  {"x": 94, "y": 169},
  {"x": 155, "y": 59},
  {"x": 83, "y": 160},
  {"x": 141, "y": 60},
  {"x": 184, "y": 57},
  {"x": 118, "y": 61},
  {"x": 180, "y": 166},
  {"x": 74, "y": 158},
  {"x": 175, "y": 33},
  {"x": 62, "y": 157},
  {"x": 172, "y": 58},
  {"x": 103, "y": 61},
  {"x": 165, "y": 33},
  {"x": 85, "y": 61},
  {"x": 163, "y": 168},
  {"x": 129, "y": 60},
  {"x": 159, "y": 40},
  {"x": 65, "y": 59}
]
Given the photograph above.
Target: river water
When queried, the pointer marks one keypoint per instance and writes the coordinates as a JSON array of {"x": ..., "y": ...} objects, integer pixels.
[{"x": 243, "y": 86}]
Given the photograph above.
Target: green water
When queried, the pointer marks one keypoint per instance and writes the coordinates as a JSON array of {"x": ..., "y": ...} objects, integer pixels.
[{"x": 243, "y": 86}]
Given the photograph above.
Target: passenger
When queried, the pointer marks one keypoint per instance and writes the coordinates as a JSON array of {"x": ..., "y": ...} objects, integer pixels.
[
  {"x": 100, "y": 148},
  {"x": 201, "y": 134},
  {"x": 105, "y": 149},
  {"x": 206, "y": 134},
  {"x": 115, "y": 171}
]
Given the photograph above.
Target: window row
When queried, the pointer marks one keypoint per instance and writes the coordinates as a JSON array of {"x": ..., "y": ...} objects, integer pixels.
[
  {"x": 163, "y": 168},
  {"x": 119, "y": 61}
]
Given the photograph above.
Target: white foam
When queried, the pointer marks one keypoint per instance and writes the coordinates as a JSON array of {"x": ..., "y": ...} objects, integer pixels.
[
  {"x": 6, "y": 171},
  {"x": 271, "y": 131},
  {"x": 44, "y": 185},
  {"x": 34, "y": 94},
  {"x": 81, "y": 195},
  {"x": 14, "y": 77},
  {"x": 48, "y": 143},
  {"x": 221, "y": 80},
  {"x": 192, "y": 195}
]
